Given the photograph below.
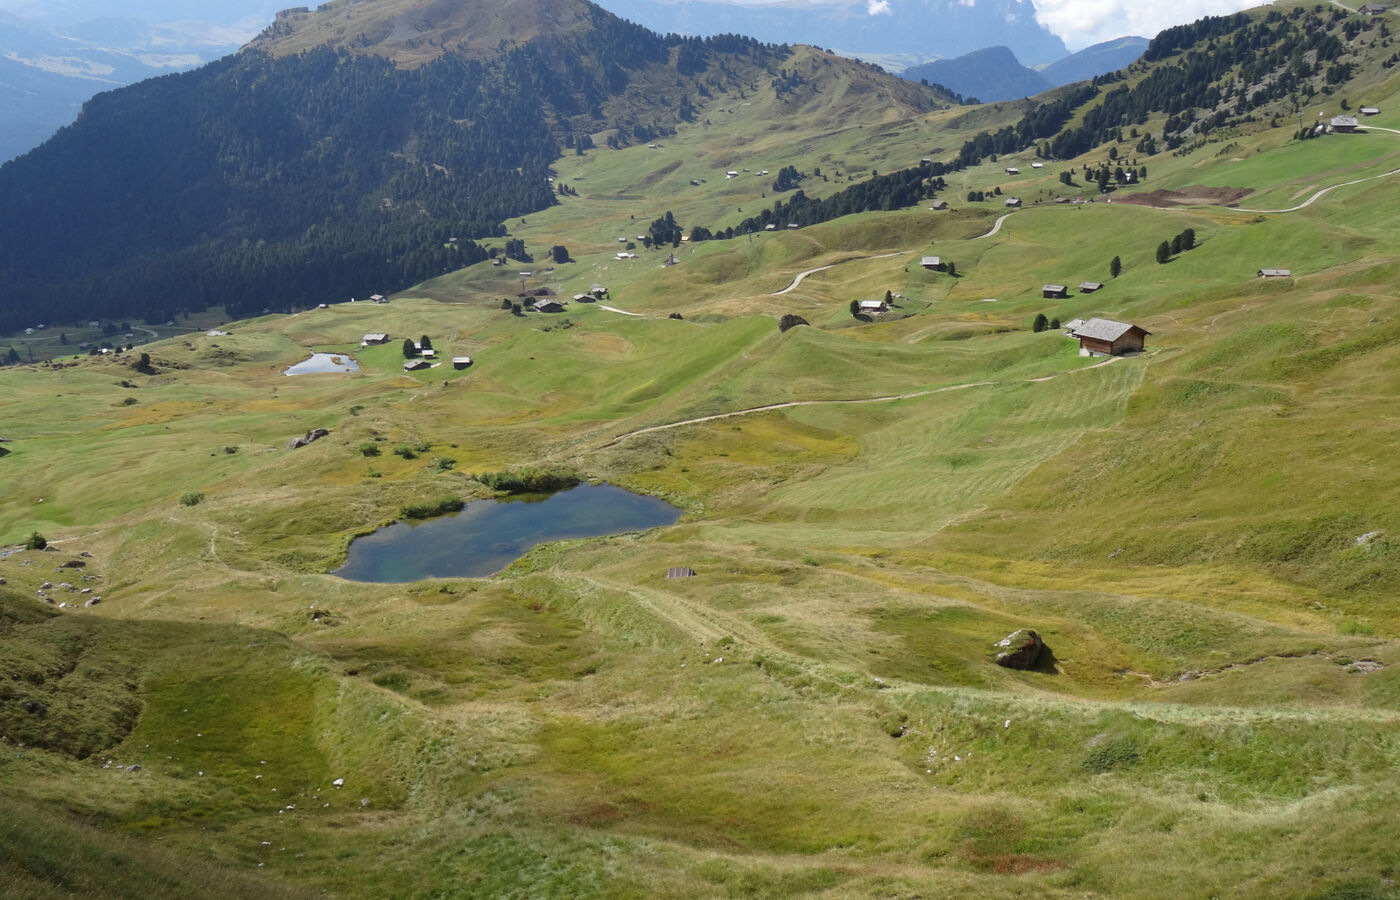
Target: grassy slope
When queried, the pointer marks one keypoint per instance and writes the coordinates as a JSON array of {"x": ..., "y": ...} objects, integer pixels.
[{"x": 1180, "y": 527}]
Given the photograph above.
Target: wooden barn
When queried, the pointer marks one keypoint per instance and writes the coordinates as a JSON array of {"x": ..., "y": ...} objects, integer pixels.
[
  {"x": 932, "y": 263},
  {"x": 1054, "y": 291},
  {"x": 1105, "y": 337}
]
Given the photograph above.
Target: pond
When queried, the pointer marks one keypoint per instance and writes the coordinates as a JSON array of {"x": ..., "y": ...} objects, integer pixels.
[
  {"x": 324, "y": 362},
  {"x": 488, "y": 535}
]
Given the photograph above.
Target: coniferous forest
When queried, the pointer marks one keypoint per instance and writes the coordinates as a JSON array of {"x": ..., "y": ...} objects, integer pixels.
[{"x": 260, "y": 183}]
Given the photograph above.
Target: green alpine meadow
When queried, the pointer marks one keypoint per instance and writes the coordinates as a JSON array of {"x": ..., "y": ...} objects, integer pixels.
[{"x": 1117, "y": 365}]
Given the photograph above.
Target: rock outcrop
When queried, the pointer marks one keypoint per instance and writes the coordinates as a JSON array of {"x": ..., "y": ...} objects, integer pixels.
[
  {"x": 1021, "y": 649},
  {"x": 314, "y": 434}
]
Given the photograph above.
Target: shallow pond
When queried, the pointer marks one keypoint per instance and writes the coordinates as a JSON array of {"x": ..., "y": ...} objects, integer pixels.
[
  {"x": 324, "y": 362},
  {"x": 488, "y": 535}
]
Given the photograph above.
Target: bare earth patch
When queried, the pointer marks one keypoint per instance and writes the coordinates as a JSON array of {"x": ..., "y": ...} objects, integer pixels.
[{"x": 1195, "y": 195}]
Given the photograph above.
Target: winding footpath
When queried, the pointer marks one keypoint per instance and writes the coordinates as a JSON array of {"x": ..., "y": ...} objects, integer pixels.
[
  {"x": 858, "y": 400},
  {"x": 801, "y": 275},
  {"x": 996, "y": 226},
  {"x": 621, "y": 312},
  {"x": 1317, "y": 196}
]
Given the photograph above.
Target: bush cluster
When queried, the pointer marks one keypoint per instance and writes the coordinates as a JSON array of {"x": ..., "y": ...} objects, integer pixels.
[
  {"x": 444, "y": 504},
  {"x": 529, "y": 480}
]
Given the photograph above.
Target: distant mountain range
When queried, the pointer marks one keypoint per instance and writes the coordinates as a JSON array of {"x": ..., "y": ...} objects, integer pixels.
[
  {"x": 994, "y": 73},
  {"x": 864, "y": 28},
  {"x": 365, "y": 145},
  {"x": 54, "y": 56}
]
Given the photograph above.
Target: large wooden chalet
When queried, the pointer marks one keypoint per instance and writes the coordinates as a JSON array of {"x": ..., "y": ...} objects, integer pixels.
[{"x": 1105, "y": 337}]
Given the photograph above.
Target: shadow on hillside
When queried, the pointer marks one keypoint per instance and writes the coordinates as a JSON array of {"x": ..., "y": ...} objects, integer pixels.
[{"x": 1046, "y": 663}]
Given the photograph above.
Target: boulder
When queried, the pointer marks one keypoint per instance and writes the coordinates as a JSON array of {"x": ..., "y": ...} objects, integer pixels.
[
  {"x": 314, "y": 434},
  {"x": 92, "y": 601},
  {"x": 1021, "y": 649}
]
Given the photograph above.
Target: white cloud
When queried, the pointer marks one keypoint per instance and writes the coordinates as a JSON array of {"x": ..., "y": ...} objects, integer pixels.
[
  {"x": 879, "y": 8},
  {"x": 1083, "y": 22}
]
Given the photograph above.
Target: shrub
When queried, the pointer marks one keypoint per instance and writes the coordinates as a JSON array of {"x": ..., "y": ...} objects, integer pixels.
[
  {"x": 443, "y": 463},
  {"x": 406, "y": 452},
  {"x": 35, "y": 541},
  {"x": 1117, "y": 753},
  {"x": 191, "y": 498},
  {"x": 369, "y": 448},
  {"x": 529, "y": 480},
  {"x": 444, "y": 504}
]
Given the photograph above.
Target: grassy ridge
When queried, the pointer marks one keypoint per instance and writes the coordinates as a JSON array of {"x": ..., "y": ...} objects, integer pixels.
[{"x": 815, "y": 712}]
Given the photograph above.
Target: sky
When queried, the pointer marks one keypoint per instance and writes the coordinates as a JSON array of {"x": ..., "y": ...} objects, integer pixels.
[{"x": 1078, "y": 23}]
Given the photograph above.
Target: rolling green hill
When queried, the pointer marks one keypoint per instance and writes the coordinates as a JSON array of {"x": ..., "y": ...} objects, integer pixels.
[{"x": 1203, "y": 534}]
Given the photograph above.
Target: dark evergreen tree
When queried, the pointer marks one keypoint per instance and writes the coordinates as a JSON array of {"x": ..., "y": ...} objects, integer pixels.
[
  {"x": 1040, "y": 324},
  {"x": 1115, "y": 267},
  {"x": 1164, "y": 252},
  {"x": 409, "y": 351}
]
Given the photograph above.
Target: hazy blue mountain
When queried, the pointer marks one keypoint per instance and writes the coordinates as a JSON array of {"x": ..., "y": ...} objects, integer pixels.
[
  {"x": 930, "y": 28},
  {"x": 992, "y": 73},
  {"x": 1100, "y": 59},
  {"x": 54, "y": 55}
]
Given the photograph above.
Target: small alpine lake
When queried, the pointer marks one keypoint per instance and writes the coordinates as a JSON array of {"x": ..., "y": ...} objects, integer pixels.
[
  {"x": 488, "y": 535},
  {"x": 324, "y": 362}
]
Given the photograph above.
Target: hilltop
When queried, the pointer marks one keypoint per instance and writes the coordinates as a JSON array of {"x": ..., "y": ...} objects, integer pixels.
[
  {"x": 236, "y": 186},
  {"x": 1203, "y": 534}
]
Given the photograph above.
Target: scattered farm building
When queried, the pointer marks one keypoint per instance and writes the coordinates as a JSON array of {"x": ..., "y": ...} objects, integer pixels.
[
  {"x": 1012, "y": 170},
  {"x": 1105, "y": 337},
  {"x": 1072, "y": 325},
  {"x": 1088, "y": 287},
  {"x": 1370, "y": 110},
  {"x": 1054, "y": 291},
  {"x": 933, "y": 263},
  {"x": 378, "y": 298},
  {"x": 1373, "y": 9},
  {"x": 1036, "y": 165},
  {"x": 598, "y": 290},
  {"x": 549, "y": 306},
  {"x": 461, "y": 362},
  {"x": 938, "y": 205},
  {"x": 373, "y": 338},
  {"x": 413, "y": 365},
  {"x": 680, "y": 572},
  {"x": 1013, "y": 201},
  {"x": 429, "y": 353},
  {"x": 1275, "y": 273},
  {"x": 873, "y": 306},
  {"x": 1343, "y": 124}
]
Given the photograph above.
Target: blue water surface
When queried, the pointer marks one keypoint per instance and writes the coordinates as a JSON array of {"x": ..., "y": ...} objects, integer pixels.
[{"x": 488, "y": 535}]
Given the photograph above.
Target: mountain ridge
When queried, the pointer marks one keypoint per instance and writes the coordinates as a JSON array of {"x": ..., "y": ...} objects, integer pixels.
[{"x": 426, "y": 130}]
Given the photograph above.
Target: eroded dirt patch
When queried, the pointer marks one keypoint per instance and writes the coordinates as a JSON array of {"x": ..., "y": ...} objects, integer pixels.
[{"x": 1194, "y": 195}]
